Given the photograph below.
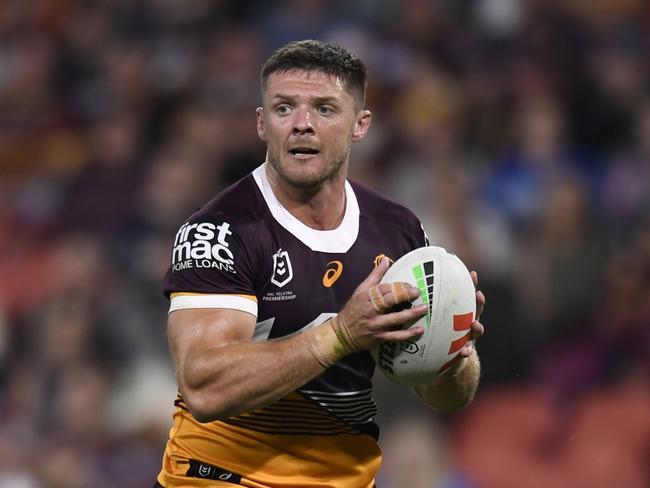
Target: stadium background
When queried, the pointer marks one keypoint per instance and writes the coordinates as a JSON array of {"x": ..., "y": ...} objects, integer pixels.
[{"x": 519, "y": 131}]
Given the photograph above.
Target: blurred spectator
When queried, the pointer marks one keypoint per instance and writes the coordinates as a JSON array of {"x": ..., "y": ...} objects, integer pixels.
[
  {"x": 539, "y": 160},
  {"x": 525, "y": 437},
  {"x": 417, "y": 454},
  {"x": 626, "y": 192},
  {"x": 91, "y": 202}
]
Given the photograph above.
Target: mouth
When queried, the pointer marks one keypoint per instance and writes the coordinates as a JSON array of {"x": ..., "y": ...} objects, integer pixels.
[{"x": 303, "y": 152}]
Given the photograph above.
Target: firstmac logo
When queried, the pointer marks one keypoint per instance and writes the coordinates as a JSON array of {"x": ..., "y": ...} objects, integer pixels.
[
  {"x": 423, "y": 274},
  {"x": 203, "y": 245}
]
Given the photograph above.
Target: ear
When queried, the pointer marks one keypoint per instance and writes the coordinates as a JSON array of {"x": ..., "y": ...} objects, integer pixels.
[
  {"x": 261, "y": 130},
  {"x": 361, "y": 125}
]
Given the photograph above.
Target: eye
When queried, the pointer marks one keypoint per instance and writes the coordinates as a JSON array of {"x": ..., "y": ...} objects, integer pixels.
[
  {"x": 283, "y": 109},
  {"x": 324, "y": 109}
]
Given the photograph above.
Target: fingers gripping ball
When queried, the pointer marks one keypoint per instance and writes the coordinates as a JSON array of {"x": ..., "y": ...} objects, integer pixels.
[
  {"x": 398, "y": 290},
  {"x": 377, "y": 299},
  {"x": 447, "y": 289}
]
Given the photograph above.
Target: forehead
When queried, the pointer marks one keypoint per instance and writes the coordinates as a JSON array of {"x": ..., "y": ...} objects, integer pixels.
[{"x": 310, "y": 83}]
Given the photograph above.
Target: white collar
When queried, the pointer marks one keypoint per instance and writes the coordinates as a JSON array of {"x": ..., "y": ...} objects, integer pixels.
[{"x": 337, "y": 240}]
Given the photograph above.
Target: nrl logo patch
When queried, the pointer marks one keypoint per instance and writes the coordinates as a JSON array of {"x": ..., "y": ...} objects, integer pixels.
[{"x": 282, "y": 270}]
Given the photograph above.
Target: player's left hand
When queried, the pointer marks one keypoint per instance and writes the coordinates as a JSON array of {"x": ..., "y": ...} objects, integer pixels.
[{"x": 477, "y": 329}]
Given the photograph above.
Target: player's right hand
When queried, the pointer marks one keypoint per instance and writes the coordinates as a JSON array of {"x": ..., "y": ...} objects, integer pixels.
[{"x": 372, "y": 314}]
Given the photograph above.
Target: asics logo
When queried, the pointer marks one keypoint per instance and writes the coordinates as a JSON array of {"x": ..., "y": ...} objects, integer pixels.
[{"x": 332, "y": 273}]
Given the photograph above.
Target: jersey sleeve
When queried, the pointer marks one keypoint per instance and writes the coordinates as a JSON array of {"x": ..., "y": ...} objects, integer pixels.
[
  {"x": 415, "y": 232},
  {"x": 421, "y": 234},
  {"x": 211, "y": 266}
]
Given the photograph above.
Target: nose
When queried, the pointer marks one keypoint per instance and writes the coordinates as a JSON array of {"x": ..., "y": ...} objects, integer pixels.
[{"x": 302, "y": 123}]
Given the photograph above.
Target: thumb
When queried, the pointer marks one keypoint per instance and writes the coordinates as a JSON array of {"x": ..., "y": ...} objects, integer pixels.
[{"x": 375, "y": 275}]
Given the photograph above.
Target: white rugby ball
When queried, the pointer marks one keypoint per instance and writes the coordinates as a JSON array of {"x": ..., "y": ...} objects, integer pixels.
[{"x": 446, "y": 287}]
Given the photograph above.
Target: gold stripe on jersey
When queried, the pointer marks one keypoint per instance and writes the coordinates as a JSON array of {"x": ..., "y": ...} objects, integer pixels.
[
  {"x": 291, "y": 443},
  {"x": 292, "y": 415}
]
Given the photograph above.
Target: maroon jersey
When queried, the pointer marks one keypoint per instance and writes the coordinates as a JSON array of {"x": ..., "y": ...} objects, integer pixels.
[{"x": 244, "y": 251}]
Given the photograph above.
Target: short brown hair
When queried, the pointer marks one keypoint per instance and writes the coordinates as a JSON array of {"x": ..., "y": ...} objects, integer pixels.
[{"x": 310, "y": 55}]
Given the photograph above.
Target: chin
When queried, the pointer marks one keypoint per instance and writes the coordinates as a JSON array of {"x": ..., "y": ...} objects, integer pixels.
[
  {"x": 305, "y": 174},
  {"x": 304, "y": 179}
]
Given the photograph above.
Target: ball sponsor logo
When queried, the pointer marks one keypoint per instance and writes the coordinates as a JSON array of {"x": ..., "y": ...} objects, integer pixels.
[
  {"x": 408, "y": 346},
  {"x": 387, "y": 352},
  {"x": 203, "y": 245}
]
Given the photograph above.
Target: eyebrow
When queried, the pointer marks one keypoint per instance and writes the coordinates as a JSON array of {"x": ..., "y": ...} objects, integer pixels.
[{"x": 282, "y": 96}]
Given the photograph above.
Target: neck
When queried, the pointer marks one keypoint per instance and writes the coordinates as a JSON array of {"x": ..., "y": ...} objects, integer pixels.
[{"x": 321, "y": 207}]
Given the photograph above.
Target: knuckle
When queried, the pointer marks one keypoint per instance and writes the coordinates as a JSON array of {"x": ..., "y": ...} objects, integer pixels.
[{"x": 383, "y": 288}]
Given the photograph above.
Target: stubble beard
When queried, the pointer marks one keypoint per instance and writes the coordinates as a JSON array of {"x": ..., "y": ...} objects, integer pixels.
[{"x": 311, "y": 180}]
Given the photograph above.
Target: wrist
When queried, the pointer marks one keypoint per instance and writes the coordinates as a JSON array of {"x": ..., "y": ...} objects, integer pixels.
[
  {"x": 327, "y": 343},
  {"x": 457, "y": 368}
]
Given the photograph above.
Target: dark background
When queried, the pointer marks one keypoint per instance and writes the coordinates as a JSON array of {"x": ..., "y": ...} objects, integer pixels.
[{"x": 518, "y": 130}]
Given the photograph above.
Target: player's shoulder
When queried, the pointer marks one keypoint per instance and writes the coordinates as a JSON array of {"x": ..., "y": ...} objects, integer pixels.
[
  {"x": 241, "y": 204},
  {"x": 221, "y": 235},
  {"x": 376, "y": 206}
]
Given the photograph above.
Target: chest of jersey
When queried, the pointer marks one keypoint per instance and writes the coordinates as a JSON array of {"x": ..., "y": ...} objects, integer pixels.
[{"x": 303, "y": 288}]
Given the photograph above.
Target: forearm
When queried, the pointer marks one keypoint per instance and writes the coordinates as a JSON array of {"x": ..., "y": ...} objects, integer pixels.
[
  {"x": 243, "y": 376},
  {"x": 221, "y": 373},
  {"x": 449, "y": 392}
]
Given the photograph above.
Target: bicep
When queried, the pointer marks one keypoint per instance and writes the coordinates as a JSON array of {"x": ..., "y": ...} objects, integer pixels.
[{"x": 192, "y": 332}]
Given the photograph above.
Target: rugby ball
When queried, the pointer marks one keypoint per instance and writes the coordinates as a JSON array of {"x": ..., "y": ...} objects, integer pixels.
[{"x": 446, "y": 287}]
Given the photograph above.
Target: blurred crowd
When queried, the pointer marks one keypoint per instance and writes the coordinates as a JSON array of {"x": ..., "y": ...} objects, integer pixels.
[{"x": 517, "y": 130}]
